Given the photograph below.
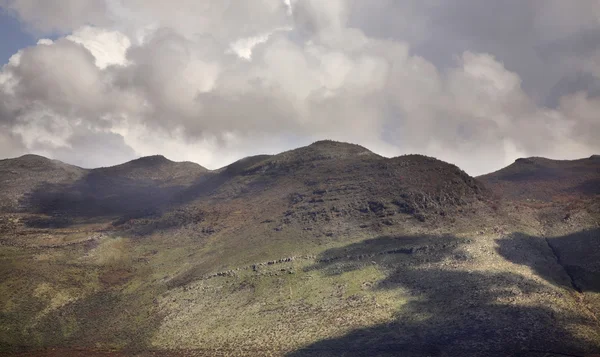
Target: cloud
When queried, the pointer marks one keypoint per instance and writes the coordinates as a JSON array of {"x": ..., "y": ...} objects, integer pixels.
[
  {"x": 11, "y": 144},
  {"x": 61, "y": 75},
  {"x": 212, "y": 81},
  {"x": 98, "y": 147},
  {"x": 314, "y": 16},
  {"x": 107, "y": 47},
  {"x": 57, "y": 16},
  {"x": 535, "y": 43}
]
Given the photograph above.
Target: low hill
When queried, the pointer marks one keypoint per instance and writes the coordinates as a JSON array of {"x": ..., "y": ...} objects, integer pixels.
[
  {"x": 546, "y": 180},
  {"x": 22, "y": 175},
  {"x": 156, "y": 169}
]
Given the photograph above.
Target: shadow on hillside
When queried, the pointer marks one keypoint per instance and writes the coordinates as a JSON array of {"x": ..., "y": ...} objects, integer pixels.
[
  {"x": 575, "y": 256},
  {"x": 455, "y": 310},
  {"x": 99, "y": 195},
  {"x": 52, "y": 222},
  {"x": 204, "y": 186},
  {"x": 589, "y": 187},
  {"x": 209, "y": 184}
]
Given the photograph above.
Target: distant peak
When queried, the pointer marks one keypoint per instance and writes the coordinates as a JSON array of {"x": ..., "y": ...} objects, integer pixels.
[
  {"x": 328, "y": 142},
  {"x": 32, "y": 157},
  {"x": 34, "y": 161},
  {"x": 322, "y": 150},
  {"x": 332, "y": 145},
  {"x": 533, "y": 160},
  {"x": 154, "y": 159},
  {"x": 524, "y": 160}
]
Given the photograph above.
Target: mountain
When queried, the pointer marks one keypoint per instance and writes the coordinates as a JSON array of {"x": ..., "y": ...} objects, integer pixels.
[{"x": 326, "y": 250}]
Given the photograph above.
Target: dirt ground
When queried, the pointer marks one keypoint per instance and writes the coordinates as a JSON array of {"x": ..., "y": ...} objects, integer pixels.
[{"x": 82, "y": 352}]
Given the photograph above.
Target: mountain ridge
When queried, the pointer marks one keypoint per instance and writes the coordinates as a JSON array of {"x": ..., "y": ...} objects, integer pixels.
[{"x": 316, "y": 144}]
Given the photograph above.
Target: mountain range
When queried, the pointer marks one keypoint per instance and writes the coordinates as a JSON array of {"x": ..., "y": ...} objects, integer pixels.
[{"x": 326, "y": 250}]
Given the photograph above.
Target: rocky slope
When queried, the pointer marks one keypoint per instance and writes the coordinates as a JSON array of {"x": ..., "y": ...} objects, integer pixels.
[{"x": 328, "y": 249}]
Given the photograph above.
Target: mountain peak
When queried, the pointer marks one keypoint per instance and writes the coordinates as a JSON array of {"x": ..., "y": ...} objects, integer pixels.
[
  {"x": 155, "y": 167},
  {"x": 32, "y": 159},
  {"x": 337, "y": 145},
  {"x": 150, "y": 160},
  {"x": 32, "y": 156},
  {"x": 38, "y": 163},
  {"x": 533, "y": 160},
  {"x": 325, "y": 149}
]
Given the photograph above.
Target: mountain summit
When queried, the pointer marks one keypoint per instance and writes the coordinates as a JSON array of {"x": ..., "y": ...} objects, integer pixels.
[{"x": 156, "y": 168}]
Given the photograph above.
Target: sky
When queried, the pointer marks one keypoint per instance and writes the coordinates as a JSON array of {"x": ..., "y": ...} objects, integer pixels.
[{"x": 474, "y": 83}]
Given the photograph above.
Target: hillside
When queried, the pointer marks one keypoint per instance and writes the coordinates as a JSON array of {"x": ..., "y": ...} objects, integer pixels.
[
  {"x": 22, "y": 175},
  {"x": 323, "y": 250},
  {"x": 546, "y": 180},
  {"x": 35, "y": 184}
]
